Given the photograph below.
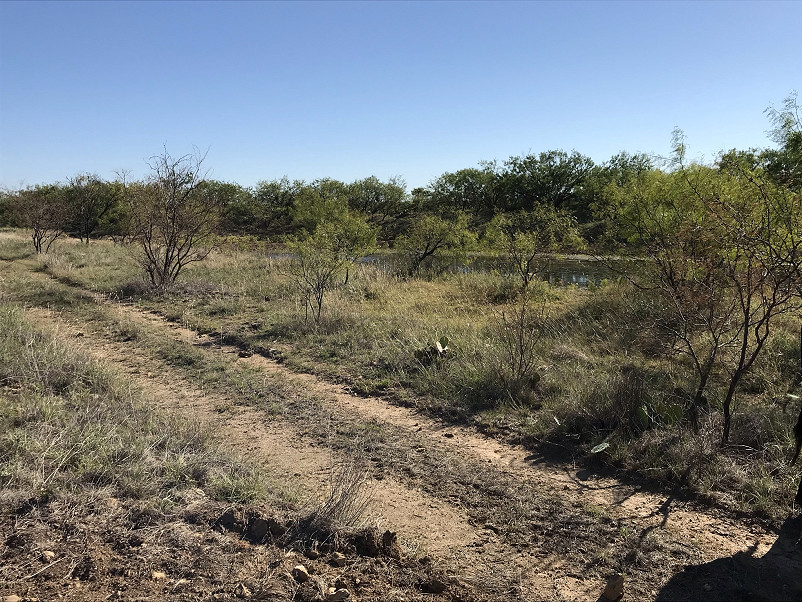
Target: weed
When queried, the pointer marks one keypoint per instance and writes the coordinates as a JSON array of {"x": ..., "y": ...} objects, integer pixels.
[{"x": 348, "y": 499}]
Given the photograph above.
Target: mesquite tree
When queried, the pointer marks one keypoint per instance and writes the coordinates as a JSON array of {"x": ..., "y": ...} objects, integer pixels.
[
  {"x": 322, "y": 259},
  {"x": 44, "y": 210},
  {"x": 725, "y": 250},
  {"x": 173, "y": 216}
]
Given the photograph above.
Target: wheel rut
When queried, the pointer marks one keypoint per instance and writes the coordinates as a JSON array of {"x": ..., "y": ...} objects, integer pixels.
[
  {"x": 717, "y": 535},
  {"x": 302, "y": 467}
]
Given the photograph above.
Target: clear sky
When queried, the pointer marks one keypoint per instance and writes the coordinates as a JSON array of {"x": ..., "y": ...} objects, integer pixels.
[{"x": 409, "y": 89}]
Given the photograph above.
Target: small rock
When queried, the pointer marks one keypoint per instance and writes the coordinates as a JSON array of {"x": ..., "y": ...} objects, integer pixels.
[
  {"x": 312, "y": 554},
  {"x": 300, "y": 574},
  {"x": 258, "y": 529},
  {"x": 158, "y": 575},
  {"x": 242, "y": 592},
  {"x": 615, "y": 588},
  {"x": 338, "y": 560},
  {"x": 707, "y": 587},
  {"x": 337, "y": 595},
  {"x": 12, "y": 598},
  {"x": 48, "y": 555}
]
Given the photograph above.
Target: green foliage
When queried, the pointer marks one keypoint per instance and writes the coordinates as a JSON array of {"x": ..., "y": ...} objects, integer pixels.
[
  {"x": 116, "y": 222},
  {"x": 470, "y": 191},
  {"x": 379, "y": 201},
  {"x": 9, "y": 217},
  {"x": 323, "y": 200},
  {"x": 726, "y": 253},
  {"x": 551, "y": 178},
  {"x": 89, "y": 200},
  {"x": 322, "y": 258},
  {"x": 238, "y": 209},
  {"x": 784, "y": 165},
  {"x": 600, "y": 191},
  {"x": 430, "y": 235},
  {"x": 272, "y": 206}
]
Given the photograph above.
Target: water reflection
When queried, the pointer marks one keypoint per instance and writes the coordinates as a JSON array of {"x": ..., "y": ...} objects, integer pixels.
[
  {"x": 563, "y": 271},
  {"x": 580, "y": 272}
]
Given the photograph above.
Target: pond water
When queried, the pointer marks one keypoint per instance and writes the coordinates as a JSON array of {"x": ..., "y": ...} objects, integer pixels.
[{"x": 557, "y": 271}]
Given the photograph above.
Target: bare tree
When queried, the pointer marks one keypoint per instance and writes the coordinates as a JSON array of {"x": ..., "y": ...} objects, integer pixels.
[
  {"x": 43, "y": 209},
  {"x": 172, "y": 216}
]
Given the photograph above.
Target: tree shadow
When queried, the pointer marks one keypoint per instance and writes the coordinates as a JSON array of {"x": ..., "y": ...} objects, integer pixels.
[{"x": 776, "y": 576}]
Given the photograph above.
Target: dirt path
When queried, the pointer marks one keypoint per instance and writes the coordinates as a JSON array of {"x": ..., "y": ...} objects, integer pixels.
[
  {"x": 435, "y": 521},
  {"x": 716, "y": 536},
  {"x": 426, "y": 525},
  {"x": 296, "y": 461}
]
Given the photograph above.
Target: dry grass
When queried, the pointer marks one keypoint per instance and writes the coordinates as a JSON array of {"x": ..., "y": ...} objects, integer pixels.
[
  {"x": 70, "y": 426},
  {"x": 604, "y": 375}
]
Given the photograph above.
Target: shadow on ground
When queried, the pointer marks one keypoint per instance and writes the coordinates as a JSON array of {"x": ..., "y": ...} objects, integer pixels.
[{"x": 776, "y": 576}]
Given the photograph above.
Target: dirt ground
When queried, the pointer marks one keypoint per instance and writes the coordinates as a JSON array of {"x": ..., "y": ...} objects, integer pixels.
[{"x": 475, "y": 519}]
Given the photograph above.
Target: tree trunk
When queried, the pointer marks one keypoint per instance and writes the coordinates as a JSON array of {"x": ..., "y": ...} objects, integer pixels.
[
  {"x": 736, "y": 378},
  {"x": 699, "y": 397}
]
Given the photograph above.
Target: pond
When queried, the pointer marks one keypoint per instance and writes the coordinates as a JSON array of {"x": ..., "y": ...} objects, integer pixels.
[{"x": 578, "y": 271}]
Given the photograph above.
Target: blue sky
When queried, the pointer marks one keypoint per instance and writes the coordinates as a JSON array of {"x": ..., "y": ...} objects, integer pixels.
[{"x": 409, "y": 89}]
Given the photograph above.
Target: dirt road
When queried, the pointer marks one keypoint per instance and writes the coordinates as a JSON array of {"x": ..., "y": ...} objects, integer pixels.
[{"x": 501, "y": 520}]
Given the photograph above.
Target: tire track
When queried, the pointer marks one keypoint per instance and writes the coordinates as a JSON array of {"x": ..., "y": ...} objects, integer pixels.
[
  {"x": 536, "y": 574},
  {"x": 426, "y": 524}
]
